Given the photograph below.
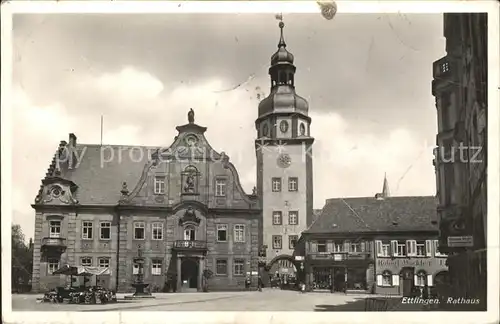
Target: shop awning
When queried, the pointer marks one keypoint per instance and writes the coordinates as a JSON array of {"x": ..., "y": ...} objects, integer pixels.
[{"x": 92, "y": 271}]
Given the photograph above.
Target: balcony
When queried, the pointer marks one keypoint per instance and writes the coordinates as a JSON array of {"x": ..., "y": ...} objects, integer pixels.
[
  {"x": 185, "y": 245},
  {"x": 340, "y": 256},
  {"x": 55, "y": 244}
]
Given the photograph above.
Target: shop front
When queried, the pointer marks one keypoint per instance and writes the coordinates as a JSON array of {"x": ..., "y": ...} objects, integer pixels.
[
  {"x": 407, "y": 276},
  {"x": 345, "y": 275}
]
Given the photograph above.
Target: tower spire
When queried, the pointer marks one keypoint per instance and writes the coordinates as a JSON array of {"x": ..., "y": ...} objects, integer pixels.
[
  {"x": 385, "y": 188},
  {"x": 282, "y": 38}
]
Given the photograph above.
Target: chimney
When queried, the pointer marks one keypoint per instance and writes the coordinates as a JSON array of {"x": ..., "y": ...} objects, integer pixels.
[{"x": 72, "y": 140}]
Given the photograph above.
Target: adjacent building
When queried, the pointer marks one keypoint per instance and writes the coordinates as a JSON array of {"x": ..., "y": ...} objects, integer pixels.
[
  {"x": 182, "y": 207},
  {"x": 381, "y": 244},
  {"x": 460, "y": 89}
]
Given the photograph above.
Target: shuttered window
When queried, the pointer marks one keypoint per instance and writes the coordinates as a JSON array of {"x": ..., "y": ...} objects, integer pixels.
[{"x": 428, "y": 248}]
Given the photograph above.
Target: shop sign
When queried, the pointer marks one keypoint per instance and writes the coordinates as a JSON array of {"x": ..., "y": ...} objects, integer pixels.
[
  {"x": 460, "y": 241},
  {"x": 398, "y": 263}
]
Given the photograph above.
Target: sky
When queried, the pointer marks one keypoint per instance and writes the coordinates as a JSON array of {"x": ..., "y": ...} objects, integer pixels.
[{"x": 367, "y": 78}]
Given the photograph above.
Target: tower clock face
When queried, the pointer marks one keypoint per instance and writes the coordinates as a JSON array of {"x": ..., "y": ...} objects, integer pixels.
[
  {"x": 284, "y": 160},
  {"x": 284, "y": 126}
]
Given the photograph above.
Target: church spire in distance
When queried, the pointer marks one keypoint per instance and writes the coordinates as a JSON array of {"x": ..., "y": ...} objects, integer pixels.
[{"x": 385, "y": 188}]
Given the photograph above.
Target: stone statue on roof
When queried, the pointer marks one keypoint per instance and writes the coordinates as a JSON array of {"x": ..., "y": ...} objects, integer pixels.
[{"x": 191, "y": 116}]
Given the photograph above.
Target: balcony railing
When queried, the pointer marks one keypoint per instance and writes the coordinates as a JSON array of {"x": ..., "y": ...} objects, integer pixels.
[
  {"x": 190, "y": 245},
  {"x": 53, "y": 245},
  {"x": 340, "y": 256}
]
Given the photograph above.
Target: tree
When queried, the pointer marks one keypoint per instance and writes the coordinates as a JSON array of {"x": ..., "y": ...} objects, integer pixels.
[{"x": 22, "y": 260}]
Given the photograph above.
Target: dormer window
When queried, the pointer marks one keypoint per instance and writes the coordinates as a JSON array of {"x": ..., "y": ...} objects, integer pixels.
[
  {"x": 159, "y": 185},
  {"x": 220, "y": 188}
]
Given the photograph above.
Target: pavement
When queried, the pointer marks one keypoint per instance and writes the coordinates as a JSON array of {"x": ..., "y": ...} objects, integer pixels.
[{"x": 267, "y": 300}]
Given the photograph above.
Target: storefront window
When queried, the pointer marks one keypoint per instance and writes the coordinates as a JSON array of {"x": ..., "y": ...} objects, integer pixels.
[{"x": 356, "y": 278}]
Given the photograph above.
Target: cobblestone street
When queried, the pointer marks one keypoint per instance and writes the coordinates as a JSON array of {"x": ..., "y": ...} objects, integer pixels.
[{"x": 268, "y": 300}]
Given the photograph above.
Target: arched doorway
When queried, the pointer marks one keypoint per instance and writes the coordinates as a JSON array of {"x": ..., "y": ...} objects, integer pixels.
[
  {"x": 281, "y": 269},
  {"x": 189, "y": 273}
]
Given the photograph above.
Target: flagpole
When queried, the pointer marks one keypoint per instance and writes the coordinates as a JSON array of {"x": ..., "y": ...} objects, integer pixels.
[{"x": 102, "y": 121}]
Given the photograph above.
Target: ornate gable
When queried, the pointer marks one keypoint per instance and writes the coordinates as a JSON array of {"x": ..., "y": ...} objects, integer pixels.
[{"x": 57, "y": 191}]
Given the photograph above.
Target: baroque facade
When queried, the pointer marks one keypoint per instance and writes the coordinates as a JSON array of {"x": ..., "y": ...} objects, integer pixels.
[
  {"x": 183, "y": 207},
  {"x": 460, "y": 89},
  {"x": 383, "y": 245}
]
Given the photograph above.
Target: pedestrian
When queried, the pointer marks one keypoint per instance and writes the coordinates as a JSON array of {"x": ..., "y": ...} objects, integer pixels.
[{"x": 259, "y": 284}]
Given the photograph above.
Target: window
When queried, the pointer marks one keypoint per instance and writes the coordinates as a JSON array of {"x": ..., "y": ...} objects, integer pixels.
[
  {"x": 420, "y": 248},
  {"x": 157, "y": 231},
  {"x": 292, "y": 241},
  {"x": 221, "y": 233},
  {"x": 156, "y": 268},
  {"x": 105, "y": 230},
  {"x": 386, "y": 278},
  {"x": 338, "y": 247},
  {"x": 239, "y": 233},
  {"x": 293, "y": 184},
  {"x": 139, "y": 230},
  {"x": 382, "y": 248},
  {"x": 135, "y": 269},
  {"x": 103, "y": 262},
  {"x": 55, "y": 228},
  {"x": 86, "y": 261},
  {"x": 221, "y": 267},
  {"x": 276, "y": 183},
  {"x": 87, "y": 230},
  {"x": 189, "y": 233},
  {"x": 239, "y": 267},
  {"x": 321, "y": 246},
  {"x": 220, "y": 188},
  {"x": 398, "y": 248},
  {"x": 436, "y": 250},
  {"x": 277, "y": 218},
  {"x": 356, "y": 247},
  {"x": 445, "y": 67},
  {"x": 53, "y": 265},
  {"x": 277, "y": 244},
  {"x": 421, "y": 279},
  {"x": 293, "y": 217},
  {"x": 159, "y": 185}
]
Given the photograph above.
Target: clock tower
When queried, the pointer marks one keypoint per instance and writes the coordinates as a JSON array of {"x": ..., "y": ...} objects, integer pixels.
[{"x": 284, "y": 160}]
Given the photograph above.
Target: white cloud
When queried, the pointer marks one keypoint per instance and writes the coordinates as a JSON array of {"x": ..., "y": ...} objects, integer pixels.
[
  {"x": 130, "y": 82},
  {"x": 348, "y": 161}
]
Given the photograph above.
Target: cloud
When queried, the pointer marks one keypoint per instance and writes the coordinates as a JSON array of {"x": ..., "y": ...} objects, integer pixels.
[{"x": 130, "y": 83}]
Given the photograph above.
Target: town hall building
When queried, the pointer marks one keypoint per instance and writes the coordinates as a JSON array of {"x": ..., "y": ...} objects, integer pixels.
[{"x": 181, "y": 207}]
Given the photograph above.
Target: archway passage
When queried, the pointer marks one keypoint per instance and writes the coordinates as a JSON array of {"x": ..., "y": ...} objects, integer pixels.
[
  {"x": 283, "y": 269},
  {"x": 189, "y": 273}
]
